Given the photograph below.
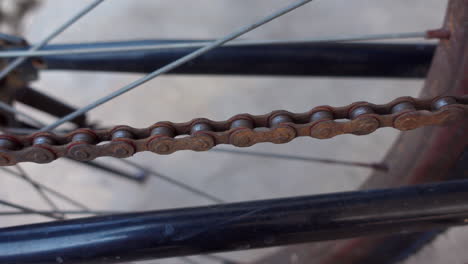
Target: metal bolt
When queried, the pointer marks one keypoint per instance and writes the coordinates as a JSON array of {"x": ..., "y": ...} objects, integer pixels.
[
  {"x": 202, "y": 143},
  {"x": 282, "y": 135},
  {"x": 84, "y": 151},
  {"x": 242, "y": 138},
  {"x": 163, "y": 148},
  {"x": 161, "y": 145},
  {"x": 407, "y": 121},
  {"x": 40, "y": 155},
  {"x": 162, "y": 141},
  {"x": 122, "y": 149},
  {"x": 121, "y": 152}
]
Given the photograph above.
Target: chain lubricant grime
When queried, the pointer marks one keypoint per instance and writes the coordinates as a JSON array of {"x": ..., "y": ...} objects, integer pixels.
[{"x": 243, "y": 130}]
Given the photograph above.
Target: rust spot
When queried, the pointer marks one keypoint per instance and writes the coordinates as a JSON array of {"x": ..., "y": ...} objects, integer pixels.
[{"x": 440, "y": 33}]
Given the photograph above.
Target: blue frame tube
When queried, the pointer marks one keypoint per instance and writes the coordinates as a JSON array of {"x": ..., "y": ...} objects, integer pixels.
[{"x": 237, "y": 226}]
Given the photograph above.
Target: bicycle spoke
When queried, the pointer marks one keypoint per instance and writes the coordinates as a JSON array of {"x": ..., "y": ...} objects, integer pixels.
[
  {"x": 7, "y": 108},
  {"x": 37, "y": 187},
  {"x": 29, "y": 210},
  {"x": 139, "y": 177},
  {"x": 47, "y": 189},
  {"x": 176, "y": 63},
  {"x": 64, "y": 212},
  {"x": 18, "y": 61},
  {"x": 198, "y": 44},
  {"x": 175, "y": 182},
  {"x": 25, "y": 131},
  {"x": 375, "y": 166}
]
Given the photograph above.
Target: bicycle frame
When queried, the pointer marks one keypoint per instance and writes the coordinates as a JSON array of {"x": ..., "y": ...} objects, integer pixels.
[
  {"x": 325, "y": 59},
  {"x": 237, "y": 226}
]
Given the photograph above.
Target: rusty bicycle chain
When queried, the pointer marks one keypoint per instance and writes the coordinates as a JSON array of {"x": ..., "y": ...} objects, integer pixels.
[{"x": 242, "y": 130}]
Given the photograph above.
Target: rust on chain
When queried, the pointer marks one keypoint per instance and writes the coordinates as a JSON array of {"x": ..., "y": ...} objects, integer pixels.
[{"x": 244, "y": 130}]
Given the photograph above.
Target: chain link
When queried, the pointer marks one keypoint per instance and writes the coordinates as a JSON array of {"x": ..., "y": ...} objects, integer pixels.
[{"x": 243, "y": 130}]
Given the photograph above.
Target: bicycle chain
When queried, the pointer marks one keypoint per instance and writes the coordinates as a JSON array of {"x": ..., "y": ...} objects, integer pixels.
[{"x": 242, "y": 130}]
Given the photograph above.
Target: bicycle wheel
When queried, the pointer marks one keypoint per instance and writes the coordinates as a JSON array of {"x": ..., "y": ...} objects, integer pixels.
[{"x": 413, "y": 140}]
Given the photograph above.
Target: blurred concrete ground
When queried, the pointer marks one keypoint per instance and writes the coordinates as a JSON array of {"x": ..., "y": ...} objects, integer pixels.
[{"x": 181, "y": 98}]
